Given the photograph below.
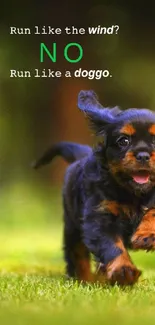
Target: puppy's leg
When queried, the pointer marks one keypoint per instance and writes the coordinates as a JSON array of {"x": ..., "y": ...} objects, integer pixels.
[
  {"x": 82, "y": 262},
  {"x": 76, "y": 255},
  {"x": 68, "y": 243},
  {"x": 144, "y": 237},
  {"x": 121, "y": 269},
  {"x": 116, "y": 265}
]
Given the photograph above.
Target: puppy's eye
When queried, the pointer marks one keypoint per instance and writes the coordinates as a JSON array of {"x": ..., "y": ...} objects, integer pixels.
[{"x": 123, "y": 142}]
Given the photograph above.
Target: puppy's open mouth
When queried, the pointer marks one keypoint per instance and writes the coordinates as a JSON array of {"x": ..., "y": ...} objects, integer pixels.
[{"x": 141, "y": 177}]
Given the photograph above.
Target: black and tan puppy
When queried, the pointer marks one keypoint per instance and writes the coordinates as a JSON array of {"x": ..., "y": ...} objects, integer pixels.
[{"x": 109, "y": 195}]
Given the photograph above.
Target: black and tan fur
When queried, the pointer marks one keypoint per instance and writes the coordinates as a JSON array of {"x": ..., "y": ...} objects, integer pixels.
[{"x": 106, "y": 210}]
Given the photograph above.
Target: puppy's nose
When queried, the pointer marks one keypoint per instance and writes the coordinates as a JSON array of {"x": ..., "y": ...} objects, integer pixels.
[{"x": 142, "y": 157}]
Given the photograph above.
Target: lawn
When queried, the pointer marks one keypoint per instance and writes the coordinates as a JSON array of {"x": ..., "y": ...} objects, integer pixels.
[{"x": 33, "y": 288}]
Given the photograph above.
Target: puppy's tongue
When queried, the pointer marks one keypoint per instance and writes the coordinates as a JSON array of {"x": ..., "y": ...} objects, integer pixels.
[{"x": 141, "y": 177}]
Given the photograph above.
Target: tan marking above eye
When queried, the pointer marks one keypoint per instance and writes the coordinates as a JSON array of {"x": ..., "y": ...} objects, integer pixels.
[
  {"x": 128, "y": 129},
  {"x": 151, "y": 129}
]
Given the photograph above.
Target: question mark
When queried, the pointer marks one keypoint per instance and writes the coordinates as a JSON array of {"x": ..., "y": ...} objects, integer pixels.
[{"x": 117, "y": 28}]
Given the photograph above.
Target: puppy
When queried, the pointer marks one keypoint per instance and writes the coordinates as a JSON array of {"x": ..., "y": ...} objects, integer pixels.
[{"x": 109, "y": 193}]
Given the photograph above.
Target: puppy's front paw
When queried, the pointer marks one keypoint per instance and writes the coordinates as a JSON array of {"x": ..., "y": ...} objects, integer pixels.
[
  {"x": 122, "y": 271},
  {"x": 143, "y": 240},
  {"x": 124, "y": 275}
]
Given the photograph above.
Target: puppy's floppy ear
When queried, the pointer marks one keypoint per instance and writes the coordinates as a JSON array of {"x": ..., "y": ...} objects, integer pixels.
[
  {"x": 98, "y": 116},
  {"x": 88, "y": 99}
]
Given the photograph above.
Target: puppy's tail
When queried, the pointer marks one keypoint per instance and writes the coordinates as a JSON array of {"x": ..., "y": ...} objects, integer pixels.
[{"x": 68, "y": 150}]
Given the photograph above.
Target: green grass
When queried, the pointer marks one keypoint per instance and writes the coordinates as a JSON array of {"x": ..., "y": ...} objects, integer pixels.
[{"x": 33, "y": 288}]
